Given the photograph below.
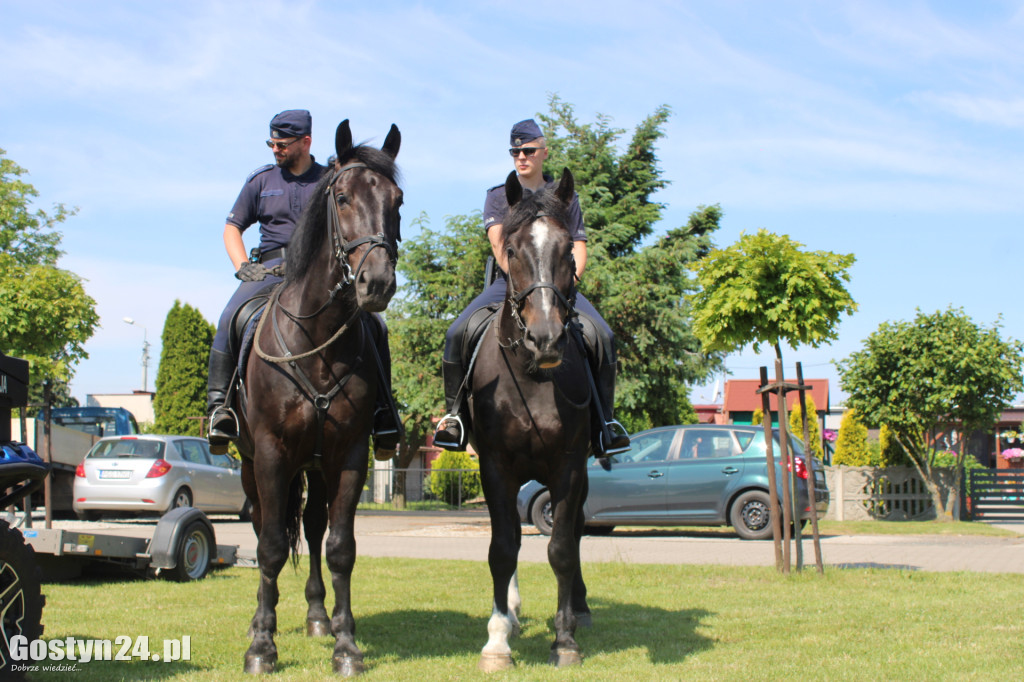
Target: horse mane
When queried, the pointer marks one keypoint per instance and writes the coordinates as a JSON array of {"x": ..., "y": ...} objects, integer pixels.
[
  {"x": 309, "y": 235},
  {"x": 526, "y": 211}
]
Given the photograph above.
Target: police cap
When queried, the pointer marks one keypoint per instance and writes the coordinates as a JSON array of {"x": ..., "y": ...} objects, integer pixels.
[
  {"x": 525, "y": 131},
  {"x": 291, "y": 123}
]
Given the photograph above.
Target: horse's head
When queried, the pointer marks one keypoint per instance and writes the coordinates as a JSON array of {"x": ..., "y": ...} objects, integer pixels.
[
  {"x": 363, "y": 200},
  {"x": 541, "y": 269}
]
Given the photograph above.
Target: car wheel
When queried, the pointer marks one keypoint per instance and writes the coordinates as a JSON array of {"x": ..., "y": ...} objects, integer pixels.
[
  {"x": 541, "y": 513},
  {"x": 598, "y": 530},
  {"x": 751, "y": 515},
  {"x": 182, "y": 498},
  {"x": 23, "y": 600},
  {"x": 194, "y": 553},
  {"x": 90, "y": 515}
]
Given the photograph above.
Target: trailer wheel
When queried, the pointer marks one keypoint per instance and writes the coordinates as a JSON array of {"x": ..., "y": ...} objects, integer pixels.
[
  {"x": 194, "y": 553},
  {"x": 23, "y": 601}
]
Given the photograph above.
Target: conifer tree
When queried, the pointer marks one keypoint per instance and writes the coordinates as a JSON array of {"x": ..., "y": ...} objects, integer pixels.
[
  {"x": 181, "y": 377},
  {"x": 852, "y": 443},
  {"x": 796, "y": 425}
]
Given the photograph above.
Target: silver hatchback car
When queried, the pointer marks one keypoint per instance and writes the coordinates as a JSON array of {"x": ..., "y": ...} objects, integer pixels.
[{"x": 144, "y": 473}]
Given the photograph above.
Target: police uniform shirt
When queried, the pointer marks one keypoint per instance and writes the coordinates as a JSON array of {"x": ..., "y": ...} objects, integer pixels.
[
  {"x": 274, "y": 198},
  {"x": 496, "y": 206}
]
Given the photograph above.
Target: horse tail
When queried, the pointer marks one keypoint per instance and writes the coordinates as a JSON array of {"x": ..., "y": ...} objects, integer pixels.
[{"x": 293, "y": 516}]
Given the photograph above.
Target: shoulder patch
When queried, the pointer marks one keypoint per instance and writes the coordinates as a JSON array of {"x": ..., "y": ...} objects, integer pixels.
[
  {"x": 261, "y": 169},
  {"x": 491, "y": 189}
]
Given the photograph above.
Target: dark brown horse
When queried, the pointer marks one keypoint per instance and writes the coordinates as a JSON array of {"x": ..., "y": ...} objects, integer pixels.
[
  {"x": 309, "y": 390},
  {"x": 531, "y": 415}
]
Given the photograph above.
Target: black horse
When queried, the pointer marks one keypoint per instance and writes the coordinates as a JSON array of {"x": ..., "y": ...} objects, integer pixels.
[
  {"x": 531, "y": 415},
  {"x": 309, "y": 390}
]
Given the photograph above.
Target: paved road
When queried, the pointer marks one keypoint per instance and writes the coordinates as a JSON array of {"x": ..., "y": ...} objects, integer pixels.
[{"x": 466, "y": 535}]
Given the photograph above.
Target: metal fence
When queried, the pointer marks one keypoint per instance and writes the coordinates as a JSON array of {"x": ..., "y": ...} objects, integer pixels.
[
  {"x": 423, "y": 488},
  {"x": 995, "y": 495}
]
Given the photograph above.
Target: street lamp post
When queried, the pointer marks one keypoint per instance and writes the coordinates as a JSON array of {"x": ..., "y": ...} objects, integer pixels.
[{"x": 145, "y": 353}]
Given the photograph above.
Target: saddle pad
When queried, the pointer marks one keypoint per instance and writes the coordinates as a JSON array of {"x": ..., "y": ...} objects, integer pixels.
[
  {"x": 478, "y": 322},
  {"x": 247, "y": 338}
]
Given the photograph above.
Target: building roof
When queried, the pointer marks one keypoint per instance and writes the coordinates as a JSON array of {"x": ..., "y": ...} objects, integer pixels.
[{"x": 741, "y": 395}]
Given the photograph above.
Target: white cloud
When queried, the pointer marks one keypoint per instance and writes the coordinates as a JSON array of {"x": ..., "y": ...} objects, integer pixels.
[{"x": 999, "y": 111}]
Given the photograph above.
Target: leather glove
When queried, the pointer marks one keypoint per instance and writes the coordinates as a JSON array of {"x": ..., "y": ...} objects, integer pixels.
[{"x": 251, "y": 272}]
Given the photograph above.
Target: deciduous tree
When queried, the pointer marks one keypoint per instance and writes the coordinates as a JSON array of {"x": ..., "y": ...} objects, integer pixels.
[
  {"x": 765, "y": 289},
  {"x": 28, "y": 237},
  {"x": 444, "y": 271},
  {"x": 940, "y": 370},
  {"x": 639, "y": 289},
  {"x": 45, "y": 314}
]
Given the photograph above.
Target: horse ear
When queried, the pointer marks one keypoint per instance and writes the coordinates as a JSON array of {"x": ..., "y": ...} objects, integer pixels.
[
  {"x": 513, "y": 190},
  {"x": 392, "y": 142},
  {"x": 342, "y": 139},
  {"x": 566, "y": 187}
]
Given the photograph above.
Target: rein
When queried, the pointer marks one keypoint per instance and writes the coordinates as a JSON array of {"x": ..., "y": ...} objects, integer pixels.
[{"x": 341, "y": 249}]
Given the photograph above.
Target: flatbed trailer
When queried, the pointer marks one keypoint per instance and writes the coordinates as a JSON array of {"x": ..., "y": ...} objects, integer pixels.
[{"x": 182, "y": 547}]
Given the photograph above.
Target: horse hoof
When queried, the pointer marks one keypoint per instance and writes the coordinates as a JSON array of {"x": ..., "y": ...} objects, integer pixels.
[
  {"x": 348, "y": 666},
  {"x": 492, "y": 663},
  {"x": 258, "y": 665},
  {"x": 561, "y": 658},
  {"x": 583, "y": 619},
  {"x": 318, "y": 628}
]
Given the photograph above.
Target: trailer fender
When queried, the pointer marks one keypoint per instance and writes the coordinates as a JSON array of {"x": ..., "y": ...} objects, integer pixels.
[{"x": 163, "y": 548}]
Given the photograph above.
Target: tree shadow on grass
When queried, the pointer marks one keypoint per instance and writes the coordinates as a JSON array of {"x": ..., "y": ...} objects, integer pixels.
[{"x": 669, "y": 636}]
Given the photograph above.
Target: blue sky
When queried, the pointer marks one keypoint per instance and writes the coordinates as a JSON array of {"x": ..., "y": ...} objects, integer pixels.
[{"x": 889, "y": 130}]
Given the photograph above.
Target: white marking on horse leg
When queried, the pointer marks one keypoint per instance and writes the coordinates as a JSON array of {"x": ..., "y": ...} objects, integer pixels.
[
  {"x": 499, "y": 627},
  {"x": 514, "y": 599}
]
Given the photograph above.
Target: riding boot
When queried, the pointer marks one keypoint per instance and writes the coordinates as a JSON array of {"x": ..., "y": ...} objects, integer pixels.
[
  {"x": 387, "y": 431},
  {"x": 451, "y": 431},
  {"x": 223, "y": 423},
  {"x": 611, "y": 438}
]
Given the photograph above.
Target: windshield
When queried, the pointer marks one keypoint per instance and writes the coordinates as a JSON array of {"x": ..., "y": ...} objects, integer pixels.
[
  {"x": 143, "y": 449},
  {"x": 755, "y": 445}
]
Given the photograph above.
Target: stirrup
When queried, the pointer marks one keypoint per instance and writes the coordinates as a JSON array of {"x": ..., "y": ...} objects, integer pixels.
[
  {"x": 615, "y": 432},
  {"x": 217, "y": 436},
  {"x": 440, "y": 433},
  {"x": 386, "y": 439}
]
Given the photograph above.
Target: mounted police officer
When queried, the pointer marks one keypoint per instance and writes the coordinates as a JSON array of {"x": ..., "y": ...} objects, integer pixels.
[
  {"x": 528, "y": 151},
  {"x": 273, "y": 196}
]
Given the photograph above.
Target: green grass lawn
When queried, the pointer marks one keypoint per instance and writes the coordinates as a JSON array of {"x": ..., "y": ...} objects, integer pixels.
[{"x": 426, "y": 620}]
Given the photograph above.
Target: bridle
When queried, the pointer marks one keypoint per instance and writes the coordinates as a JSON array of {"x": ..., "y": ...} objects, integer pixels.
[
  {"x": 516, "y": 300},
  {"x": 341, "y": 248}
]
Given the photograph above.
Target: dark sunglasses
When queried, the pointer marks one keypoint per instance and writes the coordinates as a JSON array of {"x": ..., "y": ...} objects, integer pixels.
[
  {"x": 274, "y": 144},
  {"x": 525, "y": 151}
]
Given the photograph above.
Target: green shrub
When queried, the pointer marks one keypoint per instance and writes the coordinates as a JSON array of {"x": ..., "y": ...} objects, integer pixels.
[
  {"x": 796, "y": 426},
  {"x": 852, "y": 447},
  {"x": 892, "y": 454},
  {"x": 455, "y": 487}
]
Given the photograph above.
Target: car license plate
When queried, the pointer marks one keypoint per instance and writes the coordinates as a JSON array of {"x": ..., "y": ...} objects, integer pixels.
[{"x": 109, "y": 473}]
